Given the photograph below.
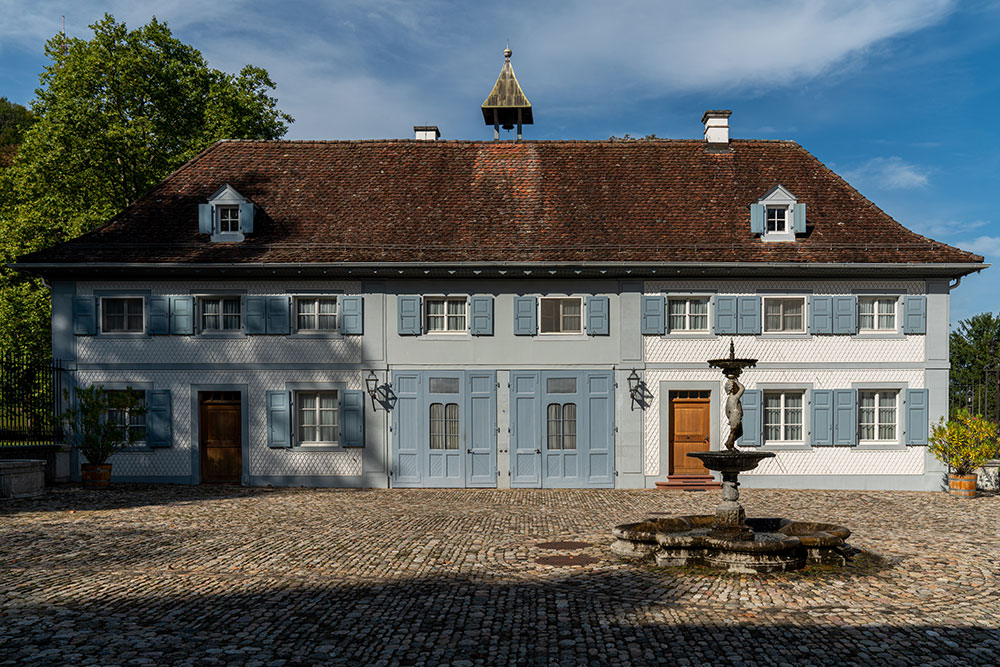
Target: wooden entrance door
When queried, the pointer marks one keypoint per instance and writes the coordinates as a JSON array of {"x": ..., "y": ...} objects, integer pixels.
[
  {"x": 690, "y": 416},
  {"x": 221, "y": 437}
]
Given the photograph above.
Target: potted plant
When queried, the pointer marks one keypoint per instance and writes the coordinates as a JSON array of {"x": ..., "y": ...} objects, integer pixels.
[
  {"x": 102, "y": 423},
  {"x": 964, "y": 443}
]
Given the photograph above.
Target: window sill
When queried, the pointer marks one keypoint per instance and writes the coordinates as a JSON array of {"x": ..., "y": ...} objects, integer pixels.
[
  {"x": 123, "y": 334},
  {"x": 318, "y": 448},
  {"x": 315, "y": 335},
  {"x": 220, "y": 334},
  {"x": 694, "y": 335},
  {"x": 878, "y": 446},
  {"x": 561, "y": 336},
  {"x": 879, "y": 335},
  {"x": 786, "y": 447},
  {"x": 445, "y": 335},
  {"x": 801, "y": 335},
  {"x": 227, "y": 237}
]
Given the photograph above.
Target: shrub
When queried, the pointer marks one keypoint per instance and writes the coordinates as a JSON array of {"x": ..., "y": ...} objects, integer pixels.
[
  {"x": 92, "y": 424},
  {"x": 964, "y": 443}
]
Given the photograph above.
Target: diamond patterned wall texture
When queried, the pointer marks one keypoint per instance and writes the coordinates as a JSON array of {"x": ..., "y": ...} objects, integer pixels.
[
  {"x": 820, "y": 379},
  {"x": 176, "y": 460},
  {"x": 751, "y": 286},
  {"x": 236, "y": 350}
]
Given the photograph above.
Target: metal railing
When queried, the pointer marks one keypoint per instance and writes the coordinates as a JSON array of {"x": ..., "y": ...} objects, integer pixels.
[{"x": 30, "y": 391}]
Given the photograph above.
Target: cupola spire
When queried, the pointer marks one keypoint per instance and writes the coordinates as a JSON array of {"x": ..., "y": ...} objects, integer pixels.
[{"x": 506, "y": 105}]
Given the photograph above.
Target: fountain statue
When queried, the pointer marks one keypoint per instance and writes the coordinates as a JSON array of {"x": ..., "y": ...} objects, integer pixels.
[{"x": 727, "y": 539}]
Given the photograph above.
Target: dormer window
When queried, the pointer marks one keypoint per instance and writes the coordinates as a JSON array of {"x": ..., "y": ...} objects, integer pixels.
[
  {"x": 777, "y": 220},
  {"x": 228, "y": 216},
  {"x": 778, "y": 216}
]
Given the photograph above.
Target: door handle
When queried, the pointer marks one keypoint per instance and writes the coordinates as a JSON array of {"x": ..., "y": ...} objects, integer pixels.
[
  {"x": 706, "y": 438},
  {"x": 468, "y": 451},
  {"x": 538, "y": 451}
]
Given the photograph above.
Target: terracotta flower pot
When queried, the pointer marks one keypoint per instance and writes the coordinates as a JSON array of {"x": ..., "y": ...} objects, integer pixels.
[
  {"x": 963, "y": 486},
  {"x": 95, "y": 476}
]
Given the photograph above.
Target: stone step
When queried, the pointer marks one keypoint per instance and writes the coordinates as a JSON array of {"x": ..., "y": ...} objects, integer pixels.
[{"x": 689, "y": 483}]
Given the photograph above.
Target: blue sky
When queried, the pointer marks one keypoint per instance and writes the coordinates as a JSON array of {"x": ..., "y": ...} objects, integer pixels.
[{"x": 899, "y": 97}]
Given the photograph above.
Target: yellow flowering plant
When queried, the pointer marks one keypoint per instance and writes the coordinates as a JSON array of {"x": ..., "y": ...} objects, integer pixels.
[{"x": 964, "y": 443}]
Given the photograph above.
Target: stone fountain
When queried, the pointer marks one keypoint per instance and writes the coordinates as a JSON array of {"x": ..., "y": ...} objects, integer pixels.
[{"x": 727, "y": 539}]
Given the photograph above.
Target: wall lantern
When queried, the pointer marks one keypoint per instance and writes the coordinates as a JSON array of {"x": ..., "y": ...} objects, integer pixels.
[
  {"x": 371, "y": 386},
  {"x": 636, "y": 389}
]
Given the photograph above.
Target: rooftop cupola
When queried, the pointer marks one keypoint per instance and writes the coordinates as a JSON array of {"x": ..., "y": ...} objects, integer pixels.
[{"x": 506, "y": 104}]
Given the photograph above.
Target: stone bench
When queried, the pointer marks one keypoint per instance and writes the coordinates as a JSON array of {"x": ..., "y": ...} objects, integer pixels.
[{"x": 22, "y": 478}]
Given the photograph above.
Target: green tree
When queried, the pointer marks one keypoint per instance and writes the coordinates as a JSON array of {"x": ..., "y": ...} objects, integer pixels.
[
  {"x": 975, "y": 347},
  {"x": 115, "y": 115},
  {"x": 14, "y": 121}
]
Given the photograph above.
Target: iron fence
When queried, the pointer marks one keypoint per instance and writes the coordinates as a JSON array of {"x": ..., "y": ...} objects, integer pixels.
[{"x": 30, "y": 391}]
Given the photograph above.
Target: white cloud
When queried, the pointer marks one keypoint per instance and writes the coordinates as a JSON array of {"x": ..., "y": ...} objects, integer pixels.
[
  {"x": 887, "y": 173},
  {"x": 939, "y": 229},
  {"x": 984, "y": 245},
  {"x": 372, "y": 68}
]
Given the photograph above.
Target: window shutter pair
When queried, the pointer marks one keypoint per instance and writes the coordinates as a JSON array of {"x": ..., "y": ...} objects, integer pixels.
[
  {"x": 737, "y": 314},
  {"x": 653, "y": 315},
  {"x": 206, "y": 214},
  {"x": 757, "y": 218},
  {"x": 84, "y": 315},
  {"x": 833, "y": 314},
  {"x": 753, "y": 419},
  {"x": 181, "y": 314},
  {"x": 410, "y": 317},
  {"x": 834, "y": 415},
  {"x": 597, "y": 321},
  {"x": 352, "y": 419},
  {"x": 914, "y": 314},
  {"x": 266, "y": 315},
  {"x": 174, "y": 314}
]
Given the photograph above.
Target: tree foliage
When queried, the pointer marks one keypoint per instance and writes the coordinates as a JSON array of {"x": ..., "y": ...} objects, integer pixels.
[
  {"x": 99, "y": 422},
  {"x": 975, "y": 346},
  {"x": 964, "y": 443},
  {"x": 115, "y": 114},
  {"x": 14, "y": 121}
]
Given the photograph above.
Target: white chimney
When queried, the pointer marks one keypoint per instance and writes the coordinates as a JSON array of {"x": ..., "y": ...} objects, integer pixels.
[
  {"x": 426, "y": 132},
  {"x": 717, "y": 127}
]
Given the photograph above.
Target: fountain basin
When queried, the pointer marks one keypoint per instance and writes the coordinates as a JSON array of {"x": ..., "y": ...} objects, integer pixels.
[
  {"x": 731, "y": 460},
  {"x": 776, "y": 545}
]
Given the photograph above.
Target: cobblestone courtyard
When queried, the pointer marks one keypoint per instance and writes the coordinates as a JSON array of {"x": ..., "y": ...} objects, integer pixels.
[{"x": 218, "y": 576}]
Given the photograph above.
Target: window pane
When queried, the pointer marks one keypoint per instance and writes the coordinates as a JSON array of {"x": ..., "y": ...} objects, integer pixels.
[
  {"x": 678, "y": 323},
  {"x": 437, "y": 426},
  {"x": 569, "y": 426},
  {"x": 772, "y": 431},
  {"x": 456, "y": 307},
  {"x": 699, "y": 323},
  {"x": 554, "y": 429},
  {"x": 772, "y": 315},
  {"x": 699, "y": 306},
  {"x": 435, "y": 307},
  {"x": 435, "y": 323},
  {"x": 886, "y": 322},
  {"x": 328, "y": 433},
  {"x": 866, "y": 306},
  {"x": 560, "y": 385},
  {"x": 328, "y": 306},
  {"x": 456, "y": 322},
  {"x": 678, "y": 307},
  {"x": 451, "y": 426},
  {"x": 793, "y": 432},
  {"x": 550, "y": 316}
]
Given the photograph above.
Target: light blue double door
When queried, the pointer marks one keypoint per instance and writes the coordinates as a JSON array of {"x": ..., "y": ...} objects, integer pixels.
[
  {"x": 562, "y": 429},
  {"x": 444, "y": 430}
]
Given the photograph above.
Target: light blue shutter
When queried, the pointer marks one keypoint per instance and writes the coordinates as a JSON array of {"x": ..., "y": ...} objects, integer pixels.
[
  {"x": 158, "y": 431},
  {"x": 481, "y": 315},
  {"x": 845, "y": 315},
  {"x": 749, "y": 315},
  {"x": 525, "y": 316},
  {"x": 204, "y": 218},
  {"x": 726, "y": 320},
  {"x": 653, "y": 316},
  {"x": 182, "y": 315},
  {"x": 277, "y": 315},
  {"x": 598, "y": 316},
  {"x": 822, "y": 416},
  {"x": 254, "y": 315},
  {"x": 279, "y": 420},
  {"x": 246, "y": 218},
  {"x": 352, "y": 418},
  {"x": 157, "y": 315},
  {"x": 821, "y": 314},
  {"x": 84, "y": 315},
  {"x": 408, "y": 311},
  {"x": 917, "y": 416},
  {"x": 756, "y": 218},
  {"x": 915, "y": 314},
  {"x": 352, "y": 315},
  {"x": 753, "y": 424},
  {"x": 800, "y": 219},
  {"x": 845, "y": 417}
]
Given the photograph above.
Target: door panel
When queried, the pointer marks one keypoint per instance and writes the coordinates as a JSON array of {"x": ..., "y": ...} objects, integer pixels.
[
  {"x": 444, "y": 429},
  {"x": 482, "y": 430},
  {"x": 601, "y": 429},
  {"x": 689, "y": 432},
  {"x": 407, "y": 430},
  {"x": 565, "y": 437},
  {"x": 525, "y": 439},
  {"x": 221, "y": 435}
]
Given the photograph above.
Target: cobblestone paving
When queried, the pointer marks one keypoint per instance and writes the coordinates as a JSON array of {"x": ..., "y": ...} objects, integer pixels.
[{"x": 143, "y": 575}]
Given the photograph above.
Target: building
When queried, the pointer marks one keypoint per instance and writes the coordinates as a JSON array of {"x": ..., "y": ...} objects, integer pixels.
[{"x": 420, "y": 313}]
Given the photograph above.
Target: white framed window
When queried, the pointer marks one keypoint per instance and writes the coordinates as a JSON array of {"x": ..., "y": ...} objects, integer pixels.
[
  {"x": 228, "y": 219},
  {"x": 783, "y": 416},
  {"x": 128, "y": 420},
  {"x": 316, "y": 313},
  {"x": 444, "y": 426},
  {"x": 221, "y": 313},
  {"x": 561, "y": 315},
  {"x": 784, "y": 314},
  {"x": 877, "y": 313},
  {"x": 317, "y": 418},
  {"x": 687, "y": 314},
  {"x": 561, "y": 426},
  {"x": 776, "y": 220},
  {"x": 445, "y": 315},
  {"x": 878, "y": 416},
  {"x": 122, "y": 314}
]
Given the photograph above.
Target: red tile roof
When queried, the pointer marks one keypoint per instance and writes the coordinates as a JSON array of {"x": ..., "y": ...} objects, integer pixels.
[{"x": 534, "y": 201}]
